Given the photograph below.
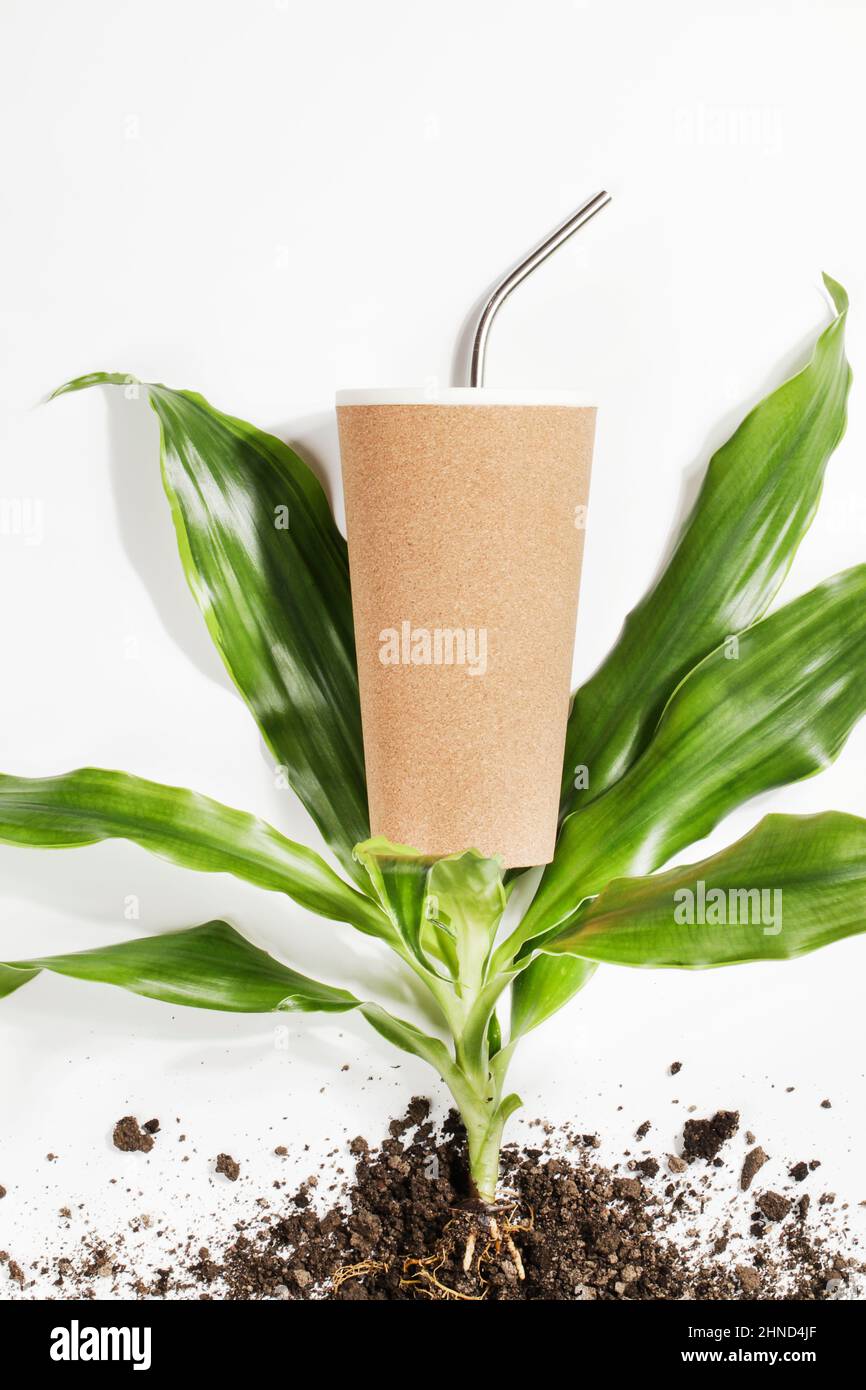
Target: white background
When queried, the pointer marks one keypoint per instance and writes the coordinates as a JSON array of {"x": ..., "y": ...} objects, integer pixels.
[{"x": 266, "y": 201}]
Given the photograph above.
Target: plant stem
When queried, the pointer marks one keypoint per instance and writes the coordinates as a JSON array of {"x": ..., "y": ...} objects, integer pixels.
[
  {"x": 476, "y": 1086},
  {"x": 474, "y": 1079},
  {"x": 484, "y": 1163}
]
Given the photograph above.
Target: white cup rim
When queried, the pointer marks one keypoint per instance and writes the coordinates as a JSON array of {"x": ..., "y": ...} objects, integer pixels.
[{"x": 461, "y": 395}]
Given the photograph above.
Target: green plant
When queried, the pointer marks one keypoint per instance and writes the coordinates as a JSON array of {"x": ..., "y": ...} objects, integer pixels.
[{"x": 702, "y": 703}]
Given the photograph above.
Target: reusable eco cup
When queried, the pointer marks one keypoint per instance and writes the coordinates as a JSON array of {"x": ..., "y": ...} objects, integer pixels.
[
  {"x": 465, "y": 525},
  {"x": 466, "y": 512}
]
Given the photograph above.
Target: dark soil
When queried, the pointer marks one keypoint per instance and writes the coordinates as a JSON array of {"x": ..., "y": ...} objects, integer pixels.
[
  {"x": 704, "y": 1138},
  {"x": 754, "y": 1161},
  {"x": 774, "y": 1206},
  {"x": 129, "y": 1137},
  {"x": 567, "y": 1228},
  {"x": 228, "y": 1166},
  {"x": 575, "y": 1230}
]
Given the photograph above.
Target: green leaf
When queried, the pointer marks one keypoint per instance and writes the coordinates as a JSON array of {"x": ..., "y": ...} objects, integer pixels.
[
  {"x": 12, "y": 979},
  {"x": 494, "y": 1036},
  {"x": 208, "y": 967},
  {"x": 214, "y": 967},
  {"x": 794, "y": 883},
  {"x": 398, "y": 875},
  {"x": 447, "y": 908},
  {"x": 466, "y": 894},
  {"x": 269, "y": 570},
  {"x": 89, "y": 805},
  {"x": 774, "y": 707},
  {"x": 757, "y": 501},
  {"x": 411, "y": 1039},
  {"x": 547, "y": 983}
]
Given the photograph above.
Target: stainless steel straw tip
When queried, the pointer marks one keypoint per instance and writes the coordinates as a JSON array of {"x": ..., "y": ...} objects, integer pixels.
[{"x": 513, "y": 277}]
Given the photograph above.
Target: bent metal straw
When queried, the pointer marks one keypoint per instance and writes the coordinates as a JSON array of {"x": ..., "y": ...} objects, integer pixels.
[{"x": 512, "y": 278}]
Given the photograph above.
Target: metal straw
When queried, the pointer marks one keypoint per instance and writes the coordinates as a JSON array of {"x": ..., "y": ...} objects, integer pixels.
[{"x": 503, "y": 288}]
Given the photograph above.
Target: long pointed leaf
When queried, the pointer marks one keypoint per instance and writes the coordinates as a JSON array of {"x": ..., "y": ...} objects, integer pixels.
[
  {"x": 208, "y": 967},
  {"x": 269, "y": 570},
  {"x": 214, "y": 967},
  {"x": 91, "y": 804},
  {"x": 758, "y": 499},
  {"x": 794, "y": 883},
  {"x": 774, "y": 708}
]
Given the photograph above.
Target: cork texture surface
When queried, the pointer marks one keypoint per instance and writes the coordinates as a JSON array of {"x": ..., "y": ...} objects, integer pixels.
[{"x": 465, "y": 528}]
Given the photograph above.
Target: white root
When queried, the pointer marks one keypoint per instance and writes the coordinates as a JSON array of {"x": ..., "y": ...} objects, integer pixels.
[{"x": 515, "y": 1255}]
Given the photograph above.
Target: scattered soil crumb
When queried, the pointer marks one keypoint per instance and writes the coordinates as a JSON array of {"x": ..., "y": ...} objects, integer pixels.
[
  {"x": 648, "y": 1166},
  {"x": 749, "y": 1278},
  {"x": 228, "y": 1166},
  {"x": 704, "y": 1138},
  {"x": 774, "y": 1206},
  {"x": 129, "y": 1137},
  {"x": 755, "y": 1159},
  {"x": 799, "y": 1172},
  {"x": 825, "y": 1105},
  {"x": 675, "y": 1068},
  {"x": 629, "y": 1189}
]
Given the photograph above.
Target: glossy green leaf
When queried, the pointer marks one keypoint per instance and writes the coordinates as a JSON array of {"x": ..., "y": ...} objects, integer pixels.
[
  {"x": 771, "y": 707},
  {"x": 540, "y": 990},
  {"x": 208, "y": 967},
  {"x": 446, "y": 908},
  {"x": 794, "y": 883},
  {"x": 758, "y": 498},
  {"x": 759, "y": 495},
  {"x": 91, "y": 804},
  {"x": 494, "y": 1036},
  {"x": 398, "y": 875},
  {"x": 467, "y": 897},
  {"x": 214, "y": 967},
  {"x": 269, "y": 570}
]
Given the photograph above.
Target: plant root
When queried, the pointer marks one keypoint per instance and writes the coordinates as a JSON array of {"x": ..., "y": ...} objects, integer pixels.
[
  {"x": 357, "y": 1271},
  {"x": 487, "y": 1235},
  {"x": 502, "y": 1235},
  {"x": 425, "y": 1280}
]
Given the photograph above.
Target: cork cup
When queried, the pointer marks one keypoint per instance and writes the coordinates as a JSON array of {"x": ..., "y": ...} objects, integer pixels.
[{"x": 466, "y": 520}]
